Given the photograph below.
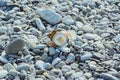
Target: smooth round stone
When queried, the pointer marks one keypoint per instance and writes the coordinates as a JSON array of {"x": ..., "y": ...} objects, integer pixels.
[
  {"x": 23, "y": 66},
  {"x": 51, "y": 50},
  {"x": 70, "y": 58},
  {"x": 107, "y": 76},
  {"x": 90, "y": 36},
  {"x": 68, "y": 20},
  {"x": 86, "y": 56},
  {"x": 50, "y": 16},
  {"x": 55, "y": 61},
  {"x": 3, "y": 73},
  {"x": 47, "y": 66},
  {"x": 14, "y": 46},
  {"x": 40, "y": 64},
  {"x": 8, "y": 67},
  {"x": 39, "y": 24},
  {"x": 46, "y": 49}
]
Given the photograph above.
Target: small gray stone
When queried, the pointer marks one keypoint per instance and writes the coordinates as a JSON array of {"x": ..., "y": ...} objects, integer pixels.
[
  {"x": 74, "y": 66},
  {"x": 70, "y": 58},
  {"x": 50, "y": 16},
  {"x": 51, "y": 50},
  {"x": 56, "y": 61},
  {"x": 14, "y": 46},
  {"x": 90, "y": 36},
  {"x": 39, "y": 24},
  {"x": 3, "y": 30},
  {"x": 86, "y": 56},
  {"x": 60, "y": 64},
  {"x": 68, "y": 20},
  {"x": 23, "y": 66},
  {"x": 3, "y": 73},
  {"x": 66, "y": 68},
  {"x": 117, "y": 38},
  {"x": 13, "y": 73},
  {"x": 47, "y": 66},
  {"x": 40, "y": 46},
  {"x": 107, "y": 76},
  {"x": 40, "y": 64},
  {"x": 65, "y": 49},
  {"x": 8, "y": 67}
]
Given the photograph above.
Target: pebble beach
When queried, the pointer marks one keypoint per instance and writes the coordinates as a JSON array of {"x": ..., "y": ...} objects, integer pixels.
[{"x": 90, "y": 30}]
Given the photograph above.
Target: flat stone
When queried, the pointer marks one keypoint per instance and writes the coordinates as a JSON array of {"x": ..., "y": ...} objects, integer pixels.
[
  {"x": 66, "y": 68},
  {"x": 8, "y": 67},
  {"x": 3, "y": 73},
  {"x": 60, "y": 64},
  {"x": 50, "y": 16},
  {"x": 51, "y": 50},
  {"x": 74, "y": 66},
  {"x": 14, "y": 46},
  {"x": 117, "y": 38},
  {"x": 65, "y": 49},
  {"x": 39, "y": 24},
  {"x": 88, "y": 29},
  {"x": 40, "y": 46},
  {"x": 107, "y": 76},
  {"x": 70, "y": 58},
  {"x": 90, "y": 36},
  {"x": 55, "y": 61},
  {"x": 13, "y": 72},
  {"x": 23, "y": 66},
  {"x": 86, "y": 56}
]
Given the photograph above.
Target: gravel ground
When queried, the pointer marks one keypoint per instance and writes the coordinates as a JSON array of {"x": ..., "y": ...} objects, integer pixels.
[{"x": 92, "y": 54}]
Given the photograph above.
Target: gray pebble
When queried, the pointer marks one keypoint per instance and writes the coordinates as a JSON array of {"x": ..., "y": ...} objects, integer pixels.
[
  {"x": 66, "y": 68},
  {"x": 86, "y": 56},
  {"x": 8, "y": 67},
  {"x": 56, "y": 61},
  {"x": 14, "y": 46},
  {"x": 51, "y": 50},
  {"x": 47, "y": 66},
  {"x": 70, "y": 58},
  {"x": 39, "y": 24},
  {"x": 23, "y": 66},
  {"x": 13, "y": 72},
  {"x": 3, "y": 73},
  {"x": 60, "y": 64},
  {"x": 65, "y": 49},
  {"x": 40, "y": 64},
  {"x": 50, "y": 16},
  {"x": 117, "y": 38},
  {"x": 40, "y": 46},
  {"x": 107, "y": 76},
  {"x": 68, "y": 20}
]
